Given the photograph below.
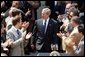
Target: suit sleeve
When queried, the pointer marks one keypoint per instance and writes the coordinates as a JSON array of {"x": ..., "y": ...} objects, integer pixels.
[
  {"x": 15, "y": 42},
  {"x": 56, "y": 30},
  {"x": 34, "y": 33}
]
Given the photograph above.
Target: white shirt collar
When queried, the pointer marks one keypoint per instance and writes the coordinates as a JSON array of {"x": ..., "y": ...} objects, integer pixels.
[
  {"x": 15, "y": 28},
  {"x": 46, "y": 21}
]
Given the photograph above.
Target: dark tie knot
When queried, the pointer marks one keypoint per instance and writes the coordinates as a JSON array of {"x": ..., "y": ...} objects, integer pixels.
[
  {"x": 18, "y": 32},
  {"x": 45, "y": 22}
]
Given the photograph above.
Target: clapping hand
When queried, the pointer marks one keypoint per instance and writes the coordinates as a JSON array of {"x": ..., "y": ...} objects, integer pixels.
[
  {"x": 7, "y": 43},
  {"x": 28, "y": 35},
  {"x": 10, "y": 42},
  {"x": 59, "y": 34},
  {"x": 28, "y": 12}
]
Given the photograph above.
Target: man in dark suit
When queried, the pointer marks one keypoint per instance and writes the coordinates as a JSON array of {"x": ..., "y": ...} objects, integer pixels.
[
  {"x": 57, "y": 7},
  {"x": 44, "y": 32}
]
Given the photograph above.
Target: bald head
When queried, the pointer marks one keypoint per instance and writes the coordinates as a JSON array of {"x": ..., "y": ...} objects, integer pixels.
[
  {"x": 68, "y": 5},
  {"x": 16, "y": 4}
]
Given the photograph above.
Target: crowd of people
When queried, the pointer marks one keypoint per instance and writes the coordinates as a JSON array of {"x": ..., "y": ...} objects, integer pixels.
[{"x": 44, "y": 26}]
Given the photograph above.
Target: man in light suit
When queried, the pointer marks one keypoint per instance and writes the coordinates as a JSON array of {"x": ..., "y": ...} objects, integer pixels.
[
  {"x": 17, "y": 36},
  {"x": 75, "y": 44},
  {"x": 75, "y": 41},
  {"x": 79, "y": 50},
  {"x": 44, "y": 32}
]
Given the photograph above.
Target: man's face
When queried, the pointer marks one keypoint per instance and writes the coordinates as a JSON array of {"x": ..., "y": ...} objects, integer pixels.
[
  {"x": 17, "y": 3},
  {"x": 70, "y": 15},
  {"x": 73, "y": 23},
  {"x": 19, "y": 23},
  {"x": 68, "y": 6},
  {"x": 20, "y": 20},
  {"x": 44, "y": 15}
]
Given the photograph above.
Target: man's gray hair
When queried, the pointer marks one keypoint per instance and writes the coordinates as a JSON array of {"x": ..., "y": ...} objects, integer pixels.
[
  {"x": 47, "y": 10},
  {"x": 76, "y": 19}
]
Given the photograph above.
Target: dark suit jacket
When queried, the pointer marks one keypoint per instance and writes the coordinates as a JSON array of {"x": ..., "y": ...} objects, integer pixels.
[
  {"x": 44, "y": 41},
  {"x": 60, "y": 7},
  {"x": 3, "y": 37}
]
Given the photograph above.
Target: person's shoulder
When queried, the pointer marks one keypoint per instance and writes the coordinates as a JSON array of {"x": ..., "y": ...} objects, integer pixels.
[
  {"x": 10, "y": 30},
  {"x": 38, "y": 20},
  {"x": 53, "y": 21}
]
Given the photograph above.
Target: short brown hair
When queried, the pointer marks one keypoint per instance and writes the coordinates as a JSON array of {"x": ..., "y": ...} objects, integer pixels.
[
  {"x": 16, "y": 19},
  {"x": 15, "y": 12}
]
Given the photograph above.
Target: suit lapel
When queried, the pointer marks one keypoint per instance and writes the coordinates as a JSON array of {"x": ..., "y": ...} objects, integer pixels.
[
  {"x": 15, "y": 33},
  {"x": 40, "y": 25}
]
